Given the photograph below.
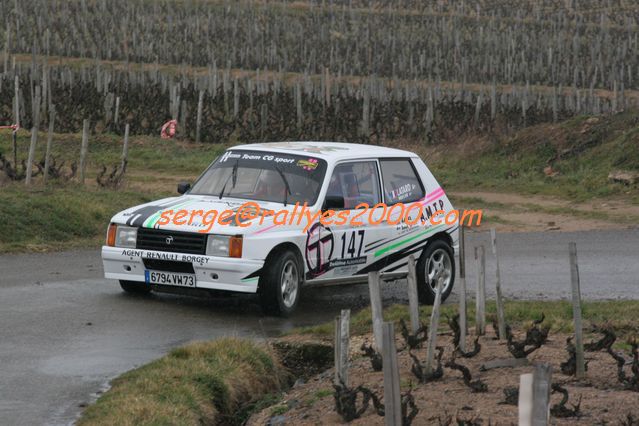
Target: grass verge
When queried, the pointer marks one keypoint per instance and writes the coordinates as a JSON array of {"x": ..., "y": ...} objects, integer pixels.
[
  {"x": 64, "y": 217},
  {"x": 148, "y": 155},
  {"x": 558, "y": 313},
  {"x": 201, "y": 383}
]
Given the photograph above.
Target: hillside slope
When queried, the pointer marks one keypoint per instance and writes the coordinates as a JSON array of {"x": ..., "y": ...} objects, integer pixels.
[{"x": 571, "y": 159}]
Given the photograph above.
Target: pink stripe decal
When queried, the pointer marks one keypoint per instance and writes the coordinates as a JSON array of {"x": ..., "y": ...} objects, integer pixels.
[
  {"x": 433, "y": 195},
  {"x": 265, "y": 229}
]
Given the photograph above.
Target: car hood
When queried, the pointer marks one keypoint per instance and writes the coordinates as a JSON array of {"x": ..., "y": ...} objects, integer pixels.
[{"x": 149, "y": 215}]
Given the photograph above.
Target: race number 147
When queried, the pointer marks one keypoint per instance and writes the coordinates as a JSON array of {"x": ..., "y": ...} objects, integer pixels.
[{"x": 355, "y": 243}]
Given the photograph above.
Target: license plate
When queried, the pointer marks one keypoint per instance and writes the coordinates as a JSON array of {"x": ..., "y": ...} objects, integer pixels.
[{"x": 169, "y": 278}]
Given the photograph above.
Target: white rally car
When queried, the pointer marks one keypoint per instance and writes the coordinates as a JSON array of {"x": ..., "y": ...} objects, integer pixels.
[{"x": 297, "y": 214}]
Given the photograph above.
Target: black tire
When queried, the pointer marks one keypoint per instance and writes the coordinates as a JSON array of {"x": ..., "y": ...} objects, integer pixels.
[
  {"x": 135, "y": 287},
  {"x": 436, "y": 250},
  {"x": 280, "y": 267}
]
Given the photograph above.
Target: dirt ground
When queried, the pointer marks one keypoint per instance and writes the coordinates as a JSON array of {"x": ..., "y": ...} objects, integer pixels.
[
  {"x": 509, "y": 212},
  {"x": 448, "y": 400}
]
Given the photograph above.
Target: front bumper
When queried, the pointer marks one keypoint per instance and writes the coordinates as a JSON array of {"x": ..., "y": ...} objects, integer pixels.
[{"x": 211, "y": 272}]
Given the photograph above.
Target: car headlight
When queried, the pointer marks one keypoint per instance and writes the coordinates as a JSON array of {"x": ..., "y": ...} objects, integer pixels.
[
  {"x": 224, "y": 245},
  {"x": 126, "y": 236}
]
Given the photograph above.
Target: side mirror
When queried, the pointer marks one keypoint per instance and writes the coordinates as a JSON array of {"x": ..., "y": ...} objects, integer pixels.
[
  {"x": 333, "y": 202},
  {"x": 183, "y": 187}
]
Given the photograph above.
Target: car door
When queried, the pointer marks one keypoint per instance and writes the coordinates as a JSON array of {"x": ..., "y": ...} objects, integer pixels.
[
  {"x": 403, "y": 192},
  {"x": 353, "y": 227}
]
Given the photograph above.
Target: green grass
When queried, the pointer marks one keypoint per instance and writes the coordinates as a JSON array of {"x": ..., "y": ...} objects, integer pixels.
[
  {"x": 62, "y": 217},
  {"x": 146, "y": 153},
  {"x": 279, "y": 409},
  {"x": 245, "y": 412},
  {"x": 65, "y": 215},
  {"x": 202, "y": 383},
  {"x": 317, "y": 396},
  {"x": 323, "y": 393},
  {"x": 515, "y": 163},
  {"x": 621, "y": 314}
]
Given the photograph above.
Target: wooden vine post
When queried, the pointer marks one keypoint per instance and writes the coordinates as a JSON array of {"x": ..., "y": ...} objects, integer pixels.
[
  {"x": 501, "y": 320},
  {"x": 576, "y": 311},
  {"x": 413, "y": 297},
  {"x": 463, "y": 322}
]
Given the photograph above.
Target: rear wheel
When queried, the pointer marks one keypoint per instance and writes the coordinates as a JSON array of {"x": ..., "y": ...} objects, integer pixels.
[
  {"x": 135, "y": 287},
  {"x": 436, "y": 264},
  {"x": 280, "y": 284}
]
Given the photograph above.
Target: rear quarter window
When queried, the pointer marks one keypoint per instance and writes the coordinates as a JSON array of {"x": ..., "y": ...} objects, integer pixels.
[{"x": 400, "y": 181}]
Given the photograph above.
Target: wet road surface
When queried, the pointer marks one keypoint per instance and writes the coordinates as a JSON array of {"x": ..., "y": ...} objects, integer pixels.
[{"x": 65, "y": 331}]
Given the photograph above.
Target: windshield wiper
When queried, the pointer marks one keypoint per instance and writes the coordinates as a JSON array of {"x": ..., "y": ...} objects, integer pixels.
[
  {"x": 232, "y": 175},
  {"x": 288, "y": 188}
]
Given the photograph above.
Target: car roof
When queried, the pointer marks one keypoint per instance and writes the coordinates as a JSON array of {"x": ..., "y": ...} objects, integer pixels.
[{"x": 328, "y": 150}]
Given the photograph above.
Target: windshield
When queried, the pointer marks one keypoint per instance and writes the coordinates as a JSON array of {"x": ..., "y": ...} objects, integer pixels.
[{"x": 263, "y": 176}]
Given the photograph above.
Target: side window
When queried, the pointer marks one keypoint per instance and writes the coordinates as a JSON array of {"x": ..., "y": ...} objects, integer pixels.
[
  {"x": 357, "y": 182},
  {"x": 401, "y": 183}
]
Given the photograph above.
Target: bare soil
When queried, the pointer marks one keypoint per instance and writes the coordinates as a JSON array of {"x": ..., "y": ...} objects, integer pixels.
[
  {"x": 508, "y": 212},
  {"x": 448, "y": 400}
]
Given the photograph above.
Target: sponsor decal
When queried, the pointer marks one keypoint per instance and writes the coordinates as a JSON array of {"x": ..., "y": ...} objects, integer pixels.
[
  {"x": 338, "y": 263},
  {"x": 320, "y": 246},
  {"x": 315, "y": 149},
  {"x": 429, "y": 210},
  {"x": 276, "y": 159},
  {"x": 319, "y": 241},
  {"x": 143, "y": 254},
  {"x": 229, "y": 154},
  {"x": 402, "y": 192},
  {"x": 310, "y": 164}
]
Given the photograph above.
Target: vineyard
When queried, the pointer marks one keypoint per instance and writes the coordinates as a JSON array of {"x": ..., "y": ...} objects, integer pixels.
[{"x": 367, "y": 71}]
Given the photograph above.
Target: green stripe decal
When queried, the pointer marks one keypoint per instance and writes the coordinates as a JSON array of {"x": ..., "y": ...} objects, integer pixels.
[
  {"x": 407, "y": 240},
  {"x": 151, "y": 220}
]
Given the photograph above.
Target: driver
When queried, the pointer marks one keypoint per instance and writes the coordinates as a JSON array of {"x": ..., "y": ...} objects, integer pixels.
[{"x": 270, "y": 186}]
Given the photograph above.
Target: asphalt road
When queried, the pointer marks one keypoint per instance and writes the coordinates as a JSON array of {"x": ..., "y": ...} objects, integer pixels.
[{"x": 65, "y": 331}]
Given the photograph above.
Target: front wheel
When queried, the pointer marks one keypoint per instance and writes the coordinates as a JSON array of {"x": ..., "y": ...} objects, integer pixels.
[
  {"x": 135, "y": 287},
  {"x": 436, "y": 264},
  {"x": 280, "y": 284}
]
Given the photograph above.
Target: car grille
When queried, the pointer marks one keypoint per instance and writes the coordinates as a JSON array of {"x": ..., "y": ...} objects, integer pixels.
[{"x": 177, "y": 242}]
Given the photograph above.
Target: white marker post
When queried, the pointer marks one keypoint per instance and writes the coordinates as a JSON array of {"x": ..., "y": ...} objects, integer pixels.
[{"x": 525, "y": 399}]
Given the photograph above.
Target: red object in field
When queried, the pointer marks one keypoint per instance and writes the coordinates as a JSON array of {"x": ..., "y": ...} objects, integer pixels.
[
  {"x": 168, "y": 129},
  {"x": 13, "y": 127}
]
